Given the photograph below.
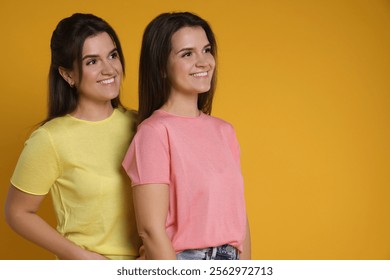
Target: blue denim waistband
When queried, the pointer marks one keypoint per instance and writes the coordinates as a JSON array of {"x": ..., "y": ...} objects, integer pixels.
[{"x": 223, "y": 252}]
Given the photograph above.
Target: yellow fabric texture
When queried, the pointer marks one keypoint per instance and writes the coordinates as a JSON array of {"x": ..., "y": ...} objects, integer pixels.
[{"x": 79, "y": 162}]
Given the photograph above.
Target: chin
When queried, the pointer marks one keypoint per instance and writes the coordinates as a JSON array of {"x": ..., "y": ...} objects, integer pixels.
[{"x": 203, "y": 90}]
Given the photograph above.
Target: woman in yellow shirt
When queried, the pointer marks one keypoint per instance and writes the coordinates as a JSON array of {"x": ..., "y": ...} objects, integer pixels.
[{"x": 76, "y": 153}]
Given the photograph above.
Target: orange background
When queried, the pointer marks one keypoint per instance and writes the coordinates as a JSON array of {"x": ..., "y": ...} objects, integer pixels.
[{"x": 306, "y": 85}]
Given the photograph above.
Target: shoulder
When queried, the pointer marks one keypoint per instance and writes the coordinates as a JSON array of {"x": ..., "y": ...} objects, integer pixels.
[
  {"x": 51, "y": 127},
  {"x": 57, "y": 128},
  {"x": 125, "y": 115},
  {"x": 156, "y": 121},
  {"x": 155, "y": 127},
  {"x": 219, "y": 123},
  {"x": 53, "y": 123},
  {"x": 40, "y": 141},
  {"x": 129, "y": 117},
  {"x": 225, "y": 128},
  {"x": 40, "y": 133}
]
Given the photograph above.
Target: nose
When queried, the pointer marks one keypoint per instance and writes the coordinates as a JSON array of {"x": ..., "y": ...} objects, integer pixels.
[
  {"x": 201, "y": 62},
  {"x": 205, "y": 60},
  {"x": 107, "y": 68}
]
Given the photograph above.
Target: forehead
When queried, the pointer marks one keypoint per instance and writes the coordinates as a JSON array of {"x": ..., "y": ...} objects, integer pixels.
[
  {"x": 100, "y": 42},
  {"x": 189, "y": 37}
]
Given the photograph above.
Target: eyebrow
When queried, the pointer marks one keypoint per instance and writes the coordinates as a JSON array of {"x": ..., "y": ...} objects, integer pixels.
[
  {"x": 95, "y": 55},
  {"x": 190, "y": 49}
]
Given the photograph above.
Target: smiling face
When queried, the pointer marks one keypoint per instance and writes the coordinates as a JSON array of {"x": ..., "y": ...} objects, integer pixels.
[
  {"x": 190, "y": 64},
  {"x": 102, "y": 71}
]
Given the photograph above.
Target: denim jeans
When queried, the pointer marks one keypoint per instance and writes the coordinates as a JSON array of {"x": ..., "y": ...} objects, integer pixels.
[{"x": 223, "y": 252}]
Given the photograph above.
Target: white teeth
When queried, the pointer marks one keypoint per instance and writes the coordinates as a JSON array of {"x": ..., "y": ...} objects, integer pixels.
[
  {"x": 202, "y": 74},
  {"x": 109, "y": 81}
]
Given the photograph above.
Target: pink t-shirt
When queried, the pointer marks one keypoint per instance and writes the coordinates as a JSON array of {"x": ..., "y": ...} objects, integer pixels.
[{"x": 199, "y": 158}]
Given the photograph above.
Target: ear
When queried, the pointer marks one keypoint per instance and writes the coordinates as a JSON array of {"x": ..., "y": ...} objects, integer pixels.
[{"x": 66, "y": 75}]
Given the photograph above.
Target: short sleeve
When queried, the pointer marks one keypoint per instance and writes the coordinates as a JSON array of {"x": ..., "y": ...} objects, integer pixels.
[
  {"x": 37, "y": 167},
  {"x": 147, "y": 160}
]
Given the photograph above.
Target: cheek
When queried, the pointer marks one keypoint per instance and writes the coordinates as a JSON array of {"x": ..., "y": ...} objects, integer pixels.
[
  {"x": 118, "y": 67},
  {"x": 174, "y": 71},
  {"x": 212, "y": 61},
  {"x": 212, "y": 64}
]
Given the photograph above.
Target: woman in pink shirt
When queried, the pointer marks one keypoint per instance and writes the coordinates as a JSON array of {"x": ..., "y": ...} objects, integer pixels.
[{"x": 185, "y": 164}]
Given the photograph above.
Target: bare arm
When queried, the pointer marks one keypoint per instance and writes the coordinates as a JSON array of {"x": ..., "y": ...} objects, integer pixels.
[
  {"x": 20, "y": 212},
  {"x": 151, "y": 203},
  {"x": 246, "y": 253}
]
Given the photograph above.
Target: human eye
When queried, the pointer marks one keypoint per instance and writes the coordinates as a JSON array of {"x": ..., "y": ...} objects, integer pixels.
[
  {"x": 186, "y": 54},
  {"x": 207, "y": 50},
  {"x": 114, "y": 55},
  {"x": 91, "y": 62}
]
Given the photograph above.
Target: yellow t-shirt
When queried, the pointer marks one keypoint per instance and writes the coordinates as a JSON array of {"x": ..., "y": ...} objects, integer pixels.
[{"x": 79, "y": 162}]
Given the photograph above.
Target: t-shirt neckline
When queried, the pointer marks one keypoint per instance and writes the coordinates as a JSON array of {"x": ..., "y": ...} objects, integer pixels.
[
  {"x": 94, "y": 122},
  {"x": 201, "y": 114}
]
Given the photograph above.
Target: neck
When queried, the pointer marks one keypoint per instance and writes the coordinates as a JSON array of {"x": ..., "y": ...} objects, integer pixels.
[
  {"x": 182, "y": 106},
  {"x": 93, "y": 113}
]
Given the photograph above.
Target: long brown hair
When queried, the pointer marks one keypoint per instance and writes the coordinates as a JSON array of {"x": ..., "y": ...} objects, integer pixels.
[
  {"x": 153, "y": 86},
  {"x": 66, "y": 46}
]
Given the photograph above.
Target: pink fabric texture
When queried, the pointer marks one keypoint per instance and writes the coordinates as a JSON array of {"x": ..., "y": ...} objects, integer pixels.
[{"x": 199, "y": 158}]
